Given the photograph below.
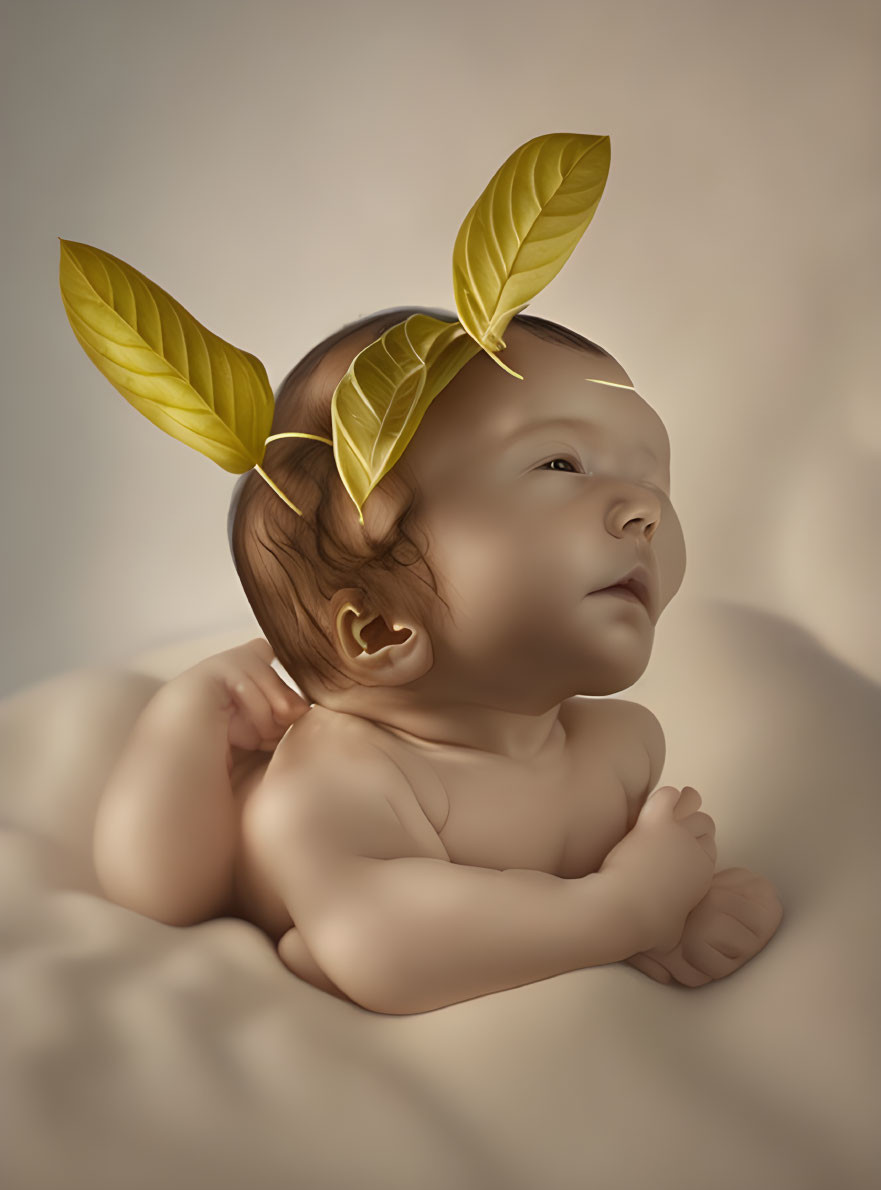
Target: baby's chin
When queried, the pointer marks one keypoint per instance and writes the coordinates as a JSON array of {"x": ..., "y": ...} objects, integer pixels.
[
  {"x": 527, "y": 692},
  {"x": 603, "y": 689},
  {"x": 615, "y": 677}
]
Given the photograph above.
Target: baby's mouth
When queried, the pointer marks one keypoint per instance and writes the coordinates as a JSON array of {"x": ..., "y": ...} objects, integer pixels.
[
  {"x": 618, "y": 589},
  {"x": 632, "y": 589}
]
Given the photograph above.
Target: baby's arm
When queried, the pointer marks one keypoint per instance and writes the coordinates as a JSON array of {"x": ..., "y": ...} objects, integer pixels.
[
  {"x": 165, "y": 828},
  {"x": 400, "y": 930}
]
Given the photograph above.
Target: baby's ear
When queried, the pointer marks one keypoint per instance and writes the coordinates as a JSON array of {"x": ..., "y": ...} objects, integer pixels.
[{"x": 374, "y": 652}]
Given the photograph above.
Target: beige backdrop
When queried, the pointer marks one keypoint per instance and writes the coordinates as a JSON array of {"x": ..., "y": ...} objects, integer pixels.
[{"x": 282, "y": 169}]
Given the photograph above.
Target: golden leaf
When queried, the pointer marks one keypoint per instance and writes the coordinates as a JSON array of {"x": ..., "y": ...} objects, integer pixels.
[
  {"x": 187, "y": 381},
  {"x": 523, "y": 229},
  {"x": 384, "y": 395}
]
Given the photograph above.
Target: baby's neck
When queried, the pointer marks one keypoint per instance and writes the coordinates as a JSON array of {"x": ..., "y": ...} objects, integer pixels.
[{"x": 453, "y": 725}]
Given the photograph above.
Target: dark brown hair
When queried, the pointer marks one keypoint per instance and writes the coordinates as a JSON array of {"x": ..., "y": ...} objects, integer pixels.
[{"x": 290, "y": 566}]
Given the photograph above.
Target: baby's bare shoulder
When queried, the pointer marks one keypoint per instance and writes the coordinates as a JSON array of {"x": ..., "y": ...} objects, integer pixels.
[
  {"x": 328, "y": 745},
  {"x": 339, "y": 762},
  {"x": 627, "y": 732},
  {"x": 611, "y": 721}
]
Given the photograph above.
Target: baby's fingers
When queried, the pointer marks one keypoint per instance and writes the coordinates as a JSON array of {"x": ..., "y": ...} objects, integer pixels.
[
  {"x": 689, "y": 801},
  {"x": 678, "y": 803},
  {"x": 704, "y": 830},
  {"x": 287, "y": 705},
  {"x": 749, "y": 898},
  {"x": 661, "y": 801},
  {"x": 259, "y": 647},
  {"x": 252, "y": 722},
  {"x": 719, "y": 942}
]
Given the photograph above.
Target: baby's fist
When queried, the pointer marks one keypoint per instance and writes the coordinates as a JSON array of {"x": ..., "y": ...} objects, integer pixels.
[
  {"x": 734, "y": 921},
  {"x": 243, "y": 684}
]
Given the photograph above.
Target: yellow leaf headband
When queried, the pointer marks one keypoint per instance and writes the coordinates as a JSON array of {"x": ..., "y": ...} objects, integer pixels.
[{"x": 217, "y": 398}]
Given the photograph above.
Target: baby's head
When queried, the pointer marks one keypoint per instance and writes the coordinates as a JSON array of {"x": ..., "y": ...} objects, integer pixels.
[{"x": 474, "y": 576}]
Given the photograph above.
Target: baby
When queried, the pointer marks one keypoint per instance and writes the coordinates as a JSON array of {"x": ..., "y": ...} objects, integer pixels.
[{"x": 450, "y": 817}]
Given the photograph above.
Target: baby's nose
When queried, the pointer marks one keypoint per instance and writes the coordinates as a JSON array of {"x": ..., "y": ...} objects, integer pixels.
[{"x": 638, "y": 513}]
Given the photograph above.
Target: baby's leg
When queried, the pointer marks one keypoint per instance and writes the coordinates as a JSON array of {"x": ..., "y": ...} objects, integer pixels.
[{"x": 734, "y": 921}]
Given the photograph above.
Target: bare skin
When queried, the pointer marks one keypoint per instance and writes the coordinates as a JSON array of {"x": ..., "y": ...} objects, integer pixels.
[
  {"x": 732, "y": 923},
  {"x": 550, "y": 824},
  {"x": 535, "y": 497}
]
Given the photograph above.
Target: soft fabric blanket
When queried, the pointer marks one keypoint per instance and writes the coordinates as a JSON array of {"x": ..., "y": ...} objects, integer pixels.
[{"x": 138, "y": 1056}]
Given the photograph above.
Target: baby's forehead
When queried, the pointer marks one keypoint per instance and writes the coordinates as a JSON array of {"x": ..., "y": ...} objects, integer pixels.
[
  {"x": 604, "y": 416},
  {"x": 563, "y": 387}
]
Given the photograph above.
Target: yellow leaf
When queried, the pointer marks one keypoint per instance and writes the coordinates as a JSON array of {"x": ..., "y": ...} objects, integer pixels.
[
  {"x": 523, "y": 229},
  {"x": 383, "y": 397},
  {"x": 187, "y": 381}
]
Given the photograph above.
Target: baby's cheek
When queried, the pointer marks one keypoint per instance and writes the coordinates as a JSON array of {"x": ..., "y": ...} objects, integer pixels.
[{"x": 669, "y": 546}]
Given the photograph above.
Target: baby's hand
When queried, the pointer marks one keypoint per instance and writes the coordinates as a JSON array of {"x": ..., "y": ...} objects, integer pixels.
[
  {"x": 665, "y": 864},
  {"x": 737, "y": 917},
  {"x": 242, "y": 684}
]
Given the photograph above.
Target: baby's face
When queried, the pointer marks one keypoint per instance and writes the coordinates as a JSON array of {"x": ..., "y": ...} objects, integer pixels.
[{"x": 534, "y": 494}]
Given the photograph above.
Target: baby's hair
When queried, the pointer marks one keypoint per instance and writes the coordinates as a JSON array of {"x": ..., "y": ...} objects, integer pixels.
[{"x": 290, "y": 566}]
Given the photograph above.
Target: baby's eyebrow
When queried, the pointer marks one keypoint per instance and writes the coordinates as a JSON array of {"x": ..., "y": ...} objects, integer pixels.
[{"x": 564, "y": 423}]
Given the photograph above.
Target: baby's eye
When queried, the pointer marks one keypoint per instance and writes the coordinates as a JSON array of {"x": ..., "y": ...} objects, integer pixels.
[{"x": 567, "y": 464}]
